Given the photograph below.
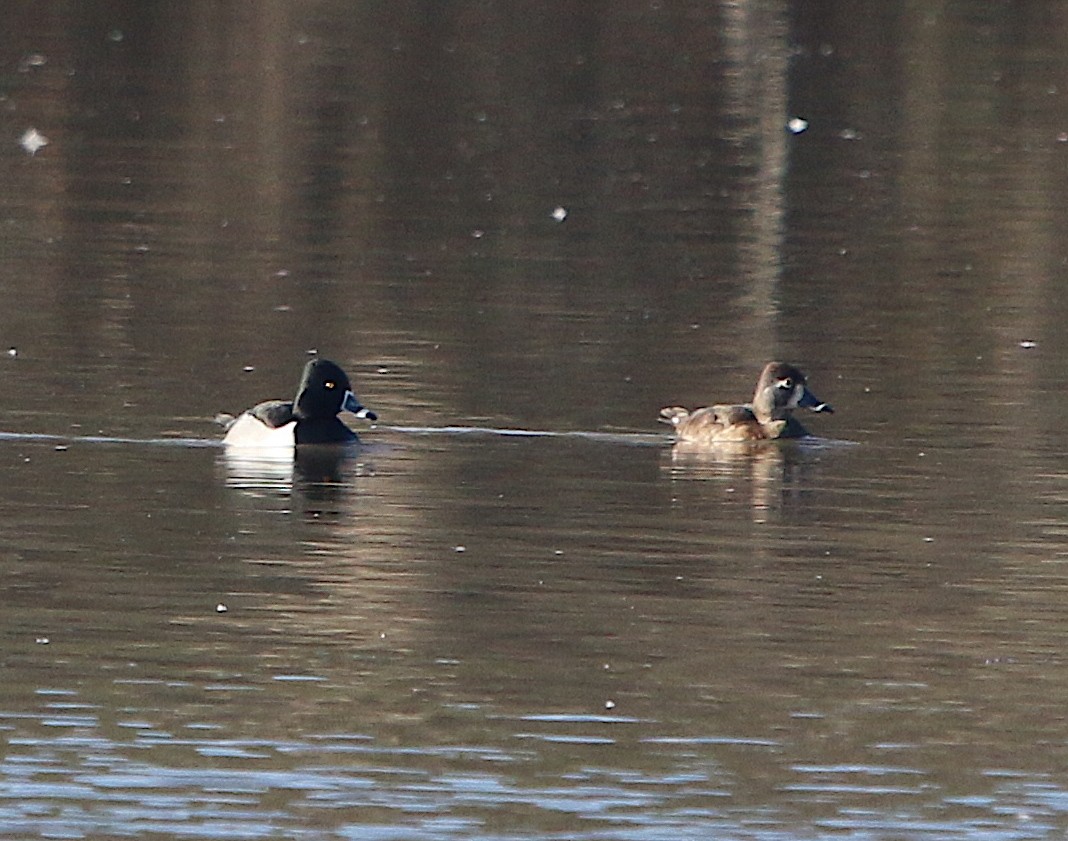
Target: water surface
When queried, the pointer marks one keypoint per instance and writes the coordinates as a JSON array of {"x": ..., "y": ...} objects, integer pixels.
[{"x": 516, "y": 612}]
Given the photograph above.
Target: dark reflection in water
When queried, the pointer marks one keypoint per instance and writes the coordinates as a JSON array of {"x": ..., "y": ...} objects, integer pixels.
[
  {"x": 516, "y": 612},
  {"x": 313, "y": 467}
]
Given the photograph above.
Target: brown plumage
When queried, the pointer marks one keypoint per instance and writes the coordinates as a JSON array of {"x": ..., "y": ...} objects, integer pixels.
[{"x": 780, "y": 389}]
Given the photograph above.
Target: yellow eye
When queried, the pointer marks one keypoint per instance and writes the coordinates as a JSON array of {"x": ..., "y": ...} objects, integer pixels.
[{"x": 328, "y": 384}]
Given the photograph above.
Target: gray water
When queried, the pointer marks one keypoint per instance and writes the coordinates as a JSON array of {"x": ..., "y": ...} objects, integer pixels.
[{"x": 516, "y": 612}]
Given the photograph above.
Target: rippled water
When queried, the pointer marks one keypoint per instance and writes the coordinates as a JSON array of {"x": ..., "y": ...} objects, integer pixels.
[{"x": 516, "y": 611}]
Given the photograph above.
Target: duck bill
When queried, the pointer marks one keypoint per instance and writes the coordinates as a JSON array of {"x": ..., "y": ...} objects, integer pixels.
[
  {"x": 810, "y": 401},
  {"x": 351, "y": 404}
]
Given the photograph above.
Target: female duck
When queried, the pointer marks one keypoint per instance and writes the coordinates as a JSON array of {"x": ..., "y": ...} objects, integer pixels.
[
  {"x": 780, "y": 389},
  {"x": 312, "y": 417}
]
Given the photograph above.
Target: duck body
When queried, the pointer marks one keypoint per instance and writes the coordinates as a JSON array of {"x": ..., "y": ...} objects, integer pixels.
[
  {"x": 780, "y": 389},
  {"x": 311, "y": 418}
]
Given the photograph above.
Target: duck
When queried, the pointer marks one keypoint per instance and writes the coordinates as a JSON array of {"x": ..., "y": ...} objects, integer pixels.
[
  {"x": 311, "y": 418},
  {"x": 780, "y": 389}
]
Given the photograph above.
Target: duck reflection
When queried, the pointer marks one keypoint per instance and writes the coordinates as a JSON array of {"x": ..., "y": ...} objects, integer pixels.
[
  {"x": 768, "y": 474},
  {"x": 324, "y": 466},
  {"x": 320, "y": 473},
  {"x": 258, "y": 471}
]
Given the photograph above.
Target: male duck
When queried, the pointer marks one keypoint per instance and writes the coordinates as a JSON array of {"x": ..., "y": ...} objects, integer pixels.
[
  {"x": 312, "y": 417},
  {"x": 780, "y": 389}
]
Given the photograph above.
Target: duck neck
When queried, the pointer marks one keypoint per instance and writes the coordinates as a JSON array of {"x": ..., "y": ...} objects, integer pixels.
[{"x": 766, "y": 410}]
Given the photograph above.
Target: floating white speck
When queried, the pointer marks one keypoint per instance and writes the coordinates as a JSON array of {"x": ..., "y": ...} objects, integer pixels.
[
  {"x": 560, "y": 214},
  {"x": 12, "y": 352},
  {"x": 42, "y": 640},
  {"x": 248, "y": 369},
  {"x": 459, "y": 549},
  {"x": 221, "y": 608},
  {"x": 609, "y": 705},
  {"x": 1027, "y": 344},
  {"x": 33, "y": 141},
  {"x": 478, "y": 234},
  {"x": 797, "y": 125},
  {"x": 928, "y": 540},
  {"x": 31, "y": 61}
]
